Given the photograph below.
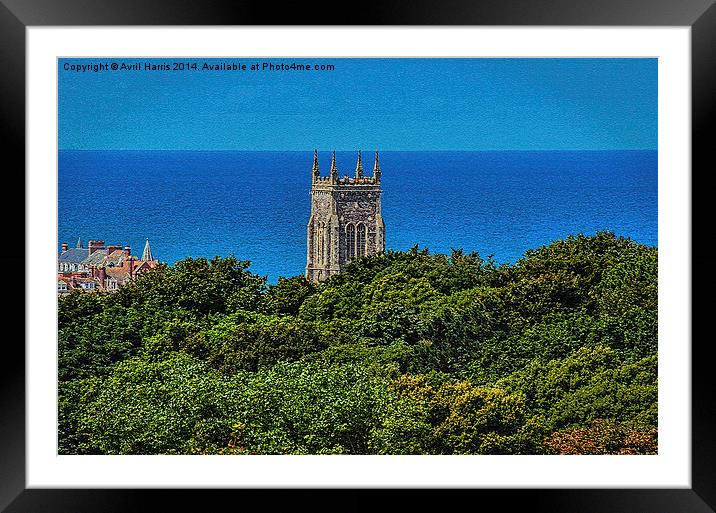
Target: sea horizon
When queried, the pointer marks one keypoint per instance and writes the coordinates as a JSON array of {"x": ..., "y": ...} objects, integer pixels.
[{"x": 255, "y": 204}]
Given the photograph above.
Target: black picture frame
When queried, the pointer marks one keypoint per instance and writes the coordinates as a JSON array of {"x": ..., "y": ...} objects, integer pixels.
[{"x": 17, "y": 15}]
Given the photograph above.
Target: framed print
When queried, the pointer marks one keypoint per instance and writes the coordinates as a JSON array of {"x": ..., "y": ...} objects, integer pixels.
[{"x": 353, "y": 332}]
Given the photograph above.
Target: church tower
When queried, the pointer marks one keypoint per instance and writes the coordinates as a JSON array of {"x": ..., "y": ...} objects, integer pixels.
[{"x": 346, "y": 221}]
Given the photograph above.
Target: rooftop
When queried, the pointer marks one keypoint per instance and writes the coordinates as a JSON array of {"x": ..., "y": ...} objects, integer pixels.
[{"x": 74, "y": 255}]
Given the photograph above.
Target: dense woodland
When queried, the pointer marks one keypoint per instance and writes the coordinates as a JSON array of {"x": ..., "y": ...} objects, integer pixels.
[{"x": 403, "y": 353}]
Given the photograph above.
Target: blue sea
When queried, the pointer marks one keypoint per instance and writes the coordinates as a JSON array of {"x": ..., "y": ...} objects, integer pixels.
[{"x": 255, "y": 205}]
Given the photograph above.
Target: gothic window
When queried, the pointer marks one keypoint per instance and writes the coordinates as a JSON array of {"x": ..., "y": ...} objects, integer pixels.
[
  {"x": 327, "y": 242},
  {"x": 317, "y": 243},
  {"x": 351, "y": 241},
  {"x": 320, "y": 243},
  {"x": 360, "y": 240}
]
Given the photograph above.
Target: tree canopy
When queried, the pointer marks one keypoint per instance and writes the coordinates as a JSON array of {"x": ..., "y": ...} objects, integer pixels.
[{"x": 402, "y": 353}]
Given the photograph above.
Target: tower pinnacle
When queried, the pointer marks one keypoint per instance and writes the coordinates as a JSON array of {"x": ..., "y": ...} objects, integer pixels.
[
  {"x": 334, "y": 169},
  {"x": 376, "y": 168},
  {"x": 359, "y": 167},
  {"x": 316, "y": 171}
]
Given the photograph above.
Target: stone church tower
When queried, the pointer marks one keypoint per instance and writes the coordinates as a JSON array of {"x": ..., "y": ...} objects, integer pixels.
[{"x": 346, "y": 220}]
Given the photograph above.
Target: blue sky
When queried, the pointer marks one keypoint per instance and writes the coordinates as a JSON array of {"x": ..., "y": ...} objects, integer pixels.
[{"x": 389, "y": 104}]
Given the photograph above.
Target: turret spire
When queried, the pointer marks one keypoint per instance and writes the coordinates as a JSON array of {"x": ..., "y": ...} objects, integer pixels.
[
  {"x": 147, "y": 253},
  {"x": 79, "y": 243},
  {"x": 334, "y": 169},
  {"x": 316, "y": 172},
  {"x": 359, "y": 167},
  {"x": 376, "y": 168}
]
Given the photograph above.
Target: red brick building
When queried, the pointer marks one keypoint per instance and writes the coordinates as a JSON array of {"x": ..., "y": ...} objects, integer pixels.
[{"x": 100, "y": 267}]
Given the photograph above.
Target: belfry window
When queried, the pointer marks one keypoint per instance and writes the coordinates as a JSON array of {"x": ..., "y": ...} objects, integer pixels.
[
  {"x": 320, "y": 242},
  {"x": 351, "y": 241},
  {"x": 326, "y": 244},
  {"x": 317, "y": 248},
  {"x": 360, "y": 240}
]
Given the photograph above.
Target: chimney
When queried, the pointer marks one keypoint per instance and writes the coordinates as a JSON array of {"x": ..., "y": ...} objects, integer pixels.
[
  {"x": 95, "y": 245},
  {"x": 127, "y": 251},
  {"x": 65, "y": 247}
]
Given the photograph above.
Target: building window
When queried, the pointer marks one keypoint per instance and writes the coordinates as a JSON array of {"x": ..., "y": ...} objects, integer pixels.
[
  {"x": 351, "y": 241},
  {"x": 324, "y": 249},
  {"x": 319, "y": 241},
  {"x": 327, "y": 242},
  {"x": 360, "y": 240}
]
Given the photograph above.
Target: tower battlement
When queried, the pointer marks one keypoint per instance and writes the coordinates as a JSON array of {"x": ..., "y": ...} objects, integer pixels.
[
  {"x": 334, "y": 177},
  {"x": 346, "y": 180},
  {"x": 346, "y": 220}
]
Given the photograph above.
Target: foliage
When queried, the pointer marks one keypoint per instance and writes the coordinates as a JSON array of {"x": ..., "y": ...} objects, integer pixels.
[
  {"x": 602, "y": 437},
  {"x": 402, "y": 353},
  {"x": 309, "y": 409},
  {"x": 250, "y": 342},
  {"x": 144, "y": 407},
  {"x": 463, "y": 418},
  {"x": 287, "y": 296},
  {"x": 588, "y": 384}
]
